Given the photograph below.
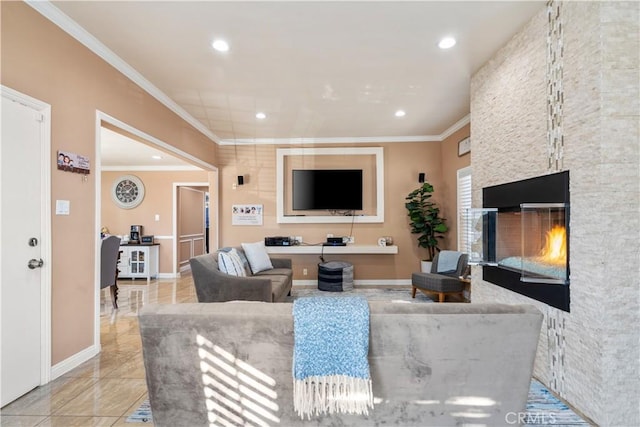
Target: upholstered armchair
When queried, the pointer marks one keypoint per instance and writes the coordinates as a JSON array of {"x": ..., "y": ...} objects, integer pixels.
[{"x": 444, "y": 278}]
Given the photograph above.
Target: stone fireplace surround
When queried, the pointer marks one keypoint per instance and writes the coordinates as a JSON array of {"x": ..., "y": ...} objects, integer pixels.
[{"x": 590, "y": 355}]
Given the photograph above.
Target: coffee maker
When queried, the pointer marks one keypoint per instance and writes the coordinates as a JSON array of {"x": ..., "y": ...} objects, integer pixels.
[{"x": 136, "y": 233}]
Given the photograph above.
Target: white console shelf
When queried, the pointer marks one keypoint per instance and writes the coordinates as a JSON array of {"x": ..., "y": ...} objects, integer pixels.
[{"x": 328, "y": 250}]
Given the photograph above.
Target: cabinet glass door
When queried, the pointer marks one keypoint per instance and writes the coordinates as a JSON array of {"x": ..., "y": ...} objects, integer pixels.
[{"x": 137, "y": 262}]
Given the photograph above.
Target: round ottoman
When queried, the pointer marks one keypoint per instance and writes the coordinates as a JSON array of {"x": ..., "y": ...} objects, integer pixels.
[{"x": 335, "y": 276}]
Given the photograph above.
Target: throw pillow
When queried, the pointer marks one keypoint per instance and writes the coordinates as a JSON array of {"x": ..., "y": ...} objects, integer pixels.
[
  {"x": 230, "y": 263},
  {"x": 258, "y": 257}
]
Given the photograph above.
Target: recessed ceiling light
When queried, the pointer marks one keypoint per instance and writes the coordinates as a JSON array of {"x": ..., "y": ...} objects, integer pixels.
[
  {"x": 261, "y": 116},
  {"x": 156, "y": 157},
  {"x": 220, "y": 45},
  {"x": 447, "y": 42},
  {"x": 400, "y": 113}
]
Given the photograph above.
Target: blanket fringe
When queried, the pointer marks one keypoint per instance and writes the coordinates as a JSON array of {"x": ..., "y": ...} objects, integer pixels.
[{"x": 317, "y": 395}]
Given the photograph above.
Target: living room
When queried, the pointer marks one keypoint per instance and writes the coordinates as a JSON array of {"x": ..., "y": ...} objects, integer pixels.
[{"x": 589, "y": 355}]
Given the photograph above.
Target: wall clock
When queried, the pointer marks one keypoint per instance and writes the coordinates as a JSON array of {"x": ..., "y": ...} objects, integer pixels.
[
  {"x": 464, "y": 146},
  {"x": 127, "y": 191}
]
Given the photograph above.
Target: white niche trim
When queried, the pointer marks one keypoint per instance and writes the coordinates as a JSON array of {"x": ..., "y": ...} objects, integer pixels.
[{"x": 281, "y": 153}]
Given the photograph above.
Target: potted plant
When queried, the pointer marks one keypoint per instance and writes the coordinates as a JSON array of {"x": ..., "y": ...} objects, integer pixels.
[{"x": 425, "y": 221}]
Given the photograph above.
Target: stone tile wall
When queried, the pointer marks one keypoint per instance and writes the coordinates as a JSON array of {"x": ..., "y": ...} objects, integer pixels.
[{"x": 591, "y": 355}]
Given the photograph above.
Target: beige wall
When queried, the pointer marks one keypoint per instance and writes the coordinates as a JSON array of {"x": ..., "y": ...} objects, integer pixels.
[
  {"x": 158, "y": 199},
  {"x": 403, "y": 163},
  {"x": 590, "y": 355},
  {"x": 42, "y": 61}
]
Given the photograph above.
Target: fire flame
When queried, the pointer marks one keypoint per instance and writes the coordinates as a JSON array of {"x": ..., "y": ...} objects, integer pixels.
[{"x": 555, "y": 248}]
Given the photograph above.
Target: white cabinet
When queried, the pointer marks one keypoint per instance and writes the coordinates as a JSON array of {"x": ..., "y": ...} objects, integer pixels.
[{"x": 138, "y": 261}]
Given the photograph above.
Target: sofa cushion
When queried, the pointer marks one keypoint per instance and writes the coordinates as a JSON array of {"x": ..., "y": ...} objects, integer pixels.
[
  {"x": 258, "y": 257},
  {"x": 279, "y": 285},
  {"x": 243, "y": 257},
  {"x": 230, "y": 263},
  {"x": 276, "y": 271}
]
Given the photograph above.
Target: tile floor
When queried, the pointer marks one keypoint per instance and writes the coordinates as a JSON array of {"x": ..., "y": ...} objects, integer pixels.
[{"x": 105, "y": 390}]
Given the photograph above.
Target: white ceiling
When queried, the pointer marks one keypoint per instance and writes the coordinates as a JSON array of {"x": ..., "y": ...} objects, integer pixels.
[
  {"x": 321, "y": 71},
  {"x": 119, "y": 152}
]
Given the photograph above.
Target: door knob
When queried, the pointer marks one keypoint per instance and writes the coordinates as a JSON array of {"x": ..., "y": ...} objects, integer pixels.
[{"x": 35, "y": 263}]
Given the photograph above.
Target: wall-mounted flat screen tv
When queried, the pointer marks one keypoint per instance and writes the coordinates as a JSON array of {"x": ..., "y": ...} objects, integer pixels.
[{"x": 327, "y": 189}]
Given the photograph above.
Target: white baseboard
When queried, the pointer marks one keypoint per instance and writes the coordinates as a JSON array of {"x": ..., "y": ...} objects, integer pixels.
[
  {"x": 74, "y": 361},
  {"x": 185, "y": 267},
  {"x": 305, "y": 282},
  {"x": 167, "y": 276},
  {"x": 388, "y": 282}
]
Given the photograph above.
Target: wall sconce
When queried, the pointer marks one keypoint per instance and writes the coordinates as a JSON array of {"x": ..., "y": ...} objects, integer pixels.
[{"x": 421, "y": 177}]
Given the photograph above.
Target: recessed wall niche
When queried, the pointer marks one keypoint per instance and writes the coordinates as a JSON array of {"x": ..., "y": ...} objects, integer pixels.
[{"x": 369, "y": 159}]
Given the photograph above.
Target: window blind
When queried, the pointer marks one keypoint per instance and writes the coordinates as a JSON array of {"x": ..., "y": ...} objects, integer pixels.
[{"x": 464, "y": 204}]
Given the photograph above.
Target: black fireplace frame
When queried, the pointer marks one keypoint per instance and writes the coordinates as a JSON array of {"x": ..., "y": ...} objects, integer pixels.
[{"x": 553, "y": 188}]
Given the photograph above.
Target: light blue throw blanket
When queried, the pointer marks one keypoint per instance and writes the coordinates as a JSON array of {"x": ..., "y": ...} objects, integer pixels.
[
  {"x": 448, "y": 261},
  {"x": 330, "y": 365}
]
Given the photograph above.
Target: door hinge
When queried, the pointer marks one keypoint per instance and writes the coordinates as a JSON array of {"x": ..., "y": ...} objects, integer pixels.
[{"x": 39, "y": 117}]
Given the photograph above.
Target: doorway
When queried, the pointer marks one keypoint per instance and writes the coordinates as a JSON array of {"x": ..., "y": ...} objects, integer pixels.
[
  {"x": 25, "y": 251},
  {"x": 137, "y": 138},
  {"x": 190, "y": 213}
]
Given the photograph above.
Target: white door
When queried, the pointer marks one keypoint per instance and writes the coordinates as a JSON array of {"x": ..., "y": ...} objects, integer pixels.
[{"x": 21, "y": 234}]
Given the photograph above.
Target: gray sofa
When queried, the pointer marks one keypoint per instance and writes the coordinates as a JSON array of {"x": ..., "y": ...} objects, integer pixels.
[
  {"x": 212, "y": 285},
  {"x": 431, "y": 364}
]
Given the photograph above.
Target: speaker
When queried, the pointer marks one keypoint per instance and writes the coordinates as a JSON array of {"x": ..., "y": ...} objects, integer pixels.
[
  {"x": 421, "y": 177},
  {"x": 240, "y": 179}
]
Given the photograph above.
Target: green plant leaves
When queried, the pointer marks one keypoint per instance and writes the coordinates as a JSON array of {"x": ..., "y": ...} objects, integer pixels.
[{"x": 425, "y": 220}]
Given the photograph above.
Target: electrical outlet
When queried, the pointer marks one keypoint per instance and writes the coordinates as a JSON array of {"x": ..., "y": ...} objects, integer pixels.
[
  {"x": 329, "y": 234},
  {"x": 298, "y": 240},
  {"x": 351, "y": 239},
  {"x": 304, "y": 272}
]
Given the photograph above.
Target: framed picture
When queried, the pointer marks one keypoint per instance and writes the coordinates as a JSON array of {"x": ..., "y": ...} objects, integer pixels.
[{"x": 464, "y": 146}]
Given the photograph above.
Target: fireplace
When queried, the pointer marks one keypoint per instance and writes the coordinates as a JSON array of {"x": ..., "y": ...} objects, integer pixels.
[{"x": 521, "y": 237}]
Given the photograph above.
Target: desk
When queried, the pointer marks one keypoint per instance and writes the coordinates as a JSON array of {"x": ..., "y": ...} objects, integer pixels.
[{"x": 332, "y": 250}]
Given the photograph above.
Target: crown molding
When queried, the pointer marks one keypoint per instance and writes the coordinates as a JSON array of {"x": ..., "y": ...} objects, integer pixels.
[
  {"x": 455, "y": 127},
  {"x": 55, "y": 15},
  {"x": 337, "y": 140},
  {"x": 352, "y": 140}
]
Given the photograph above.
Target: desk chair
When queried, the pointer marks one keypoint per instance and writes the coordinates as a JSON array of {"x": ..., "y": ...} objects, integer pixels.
[{"x": 109, "y": 256}]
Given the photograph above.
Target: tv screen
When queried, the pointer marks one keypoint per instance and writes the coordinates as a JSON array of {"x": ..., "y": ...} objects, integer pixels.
[{"x": 330, "y": 189}]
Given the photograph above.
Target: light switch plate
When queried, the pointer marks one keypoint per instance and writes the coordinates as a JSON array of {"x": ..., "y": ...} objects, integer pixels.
[{"x": 63, "y": 207}]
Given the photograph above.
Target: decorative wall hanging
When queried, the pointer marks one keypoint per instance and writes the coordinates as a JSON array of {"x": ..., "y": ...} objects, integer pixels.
[
  {"x": 464, "y": 146},
  {"x": 246, "y": 215},
  {"x": 72, "y": 162},
  {"x": 127, "y": 191}
]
